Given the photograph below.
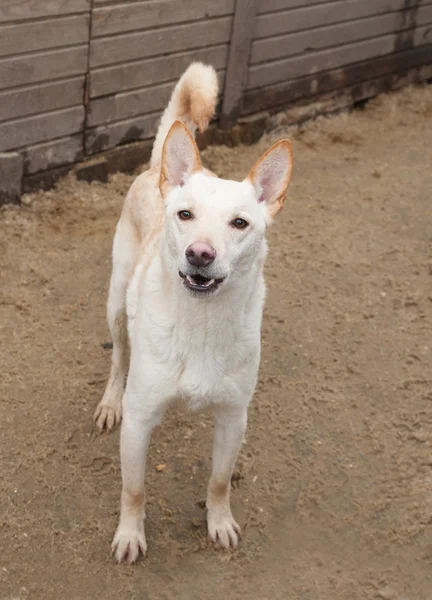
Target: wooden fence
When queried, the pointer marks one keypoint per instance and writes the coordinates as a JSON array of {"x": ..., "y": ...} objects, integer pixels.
[{"x": 79, "y": 77}]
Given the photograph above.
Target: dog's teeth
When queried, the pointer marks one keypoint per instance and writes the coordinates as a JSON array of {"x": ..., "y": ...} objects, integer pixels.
[{"x": 194, "y": 283}]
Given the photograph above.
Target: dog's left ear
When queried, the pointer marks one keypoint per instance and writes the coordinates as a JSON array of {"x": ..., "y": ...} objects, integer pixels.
[
  {"x": 271, "y": 176},
  {"x": 180, "y": 158}
]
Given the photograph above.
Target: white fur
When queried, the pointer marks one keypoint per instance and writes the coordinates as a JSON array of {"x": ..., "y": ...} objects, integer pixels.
[{"x": 202, "y": 349}]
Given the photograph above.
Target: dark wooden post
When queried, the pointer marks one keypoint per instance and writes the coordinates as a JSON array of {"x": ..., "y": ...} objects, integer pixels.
[{"x": 238, "y": 60}]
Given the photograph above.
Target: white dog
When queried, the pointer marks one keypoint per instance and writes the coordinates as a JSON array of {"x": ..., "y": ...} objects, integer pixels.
[{"x": 187, "y": 291}]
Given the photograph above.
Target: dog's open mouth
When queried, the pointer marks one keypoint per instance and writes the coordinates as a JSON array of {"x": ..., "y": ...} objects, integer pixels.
[{"x": 198, "y": 283}]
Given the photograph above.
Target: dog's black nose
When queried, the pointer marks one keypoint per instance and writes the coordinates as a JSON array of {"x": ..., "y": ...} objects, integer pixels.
[{"x": 200, "y": 254}]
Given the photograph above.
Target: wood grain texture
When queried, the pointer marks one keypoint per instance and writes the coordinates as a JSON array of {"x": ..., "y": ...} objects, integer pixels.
[
  {"x": 323, "y": 104},
  {"x": 129, "y": 104},
  {"x": 267, "y": 6},
  {"x": 320, "y": 15},
  {"x": 288, "y": 92},
  {"x": 11, "y": 175},
  {"x": 40, "y": 98},
  {"x": 44, "y": 66},
  {"x": 155, "y": 13},
  {"x": 31, "y": 130},
  {"x": 110, "y": 80},
  {"x": 343, "y": 33},
  {"x": 107, "y": 136},
  {"x": 268, "y": 53},
  {"x": 49, "y": 155},
  {"x": 238, "y": 60},
  {"x": 291, "y": 68},
  {"x": 111, "y": 2},
  {"x": 106, "y": 51},
  {"x": 20, "y": 10},
  {"x": 52, "y": 33}
]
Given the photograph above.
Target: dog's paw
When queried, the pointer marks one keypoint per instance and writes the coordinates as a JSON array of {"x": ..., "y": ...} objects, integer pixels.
[
  {"x": 223, "y": 529},
  {"x": 128, "y": 544},
  {"x": 107, "y": 417}
]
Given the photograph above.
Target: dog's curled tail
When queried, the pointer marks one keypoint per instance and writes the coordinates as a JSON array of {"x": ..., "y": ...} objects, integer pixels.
[{"x": 193, "y": 101}]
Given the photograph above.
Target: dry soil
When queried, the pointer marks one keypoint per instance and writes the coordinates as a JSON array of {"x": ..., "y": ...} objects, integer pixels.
[{"x": 333, "y": 487}]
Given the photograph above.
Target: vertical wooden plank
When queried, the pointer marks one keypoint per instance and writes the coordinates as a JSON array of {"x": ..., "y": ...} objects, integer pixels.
[{"x": 238, "y": 60}]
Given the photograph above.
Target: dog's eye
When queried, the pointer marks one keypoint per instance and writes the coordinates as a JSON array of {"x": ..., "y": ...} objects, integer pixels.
[
  {"x": 185, "y": 215},
  {"x": 239, "y": 223}
]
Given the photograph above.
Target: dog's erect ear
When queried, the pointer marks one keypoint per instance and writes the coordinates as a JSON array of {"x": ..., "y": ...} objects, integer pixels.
[
  {"x": 271, "y": 176},
  {"x": 180, "y": 158}
]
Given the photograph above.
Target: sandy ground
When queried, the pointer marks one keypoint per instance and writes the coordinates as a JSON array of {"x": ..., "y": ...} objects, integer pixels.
[{"x": 333, "y": 487}]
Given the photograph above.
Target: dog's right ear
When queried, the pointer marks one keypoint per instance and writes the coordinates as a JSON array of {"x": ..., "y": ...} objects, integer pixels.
[{"x": 180, "y": 158}]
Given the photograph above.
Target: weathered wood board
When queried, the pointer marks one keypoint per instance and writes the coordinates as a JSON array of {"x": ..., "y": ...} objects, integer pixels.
[
  {"x": 267, "y": 74},
  {"x": 39, "y": 35},
  {"x": 49, "y": 155},
  {"x": 121, "y": 18},
  {"x": 310, "y": 17},
  {"x": 143, "y": 44},
  {"x": 119, "y": 78},
  {"x": 42, "y": 66},
  {"x": 104, "y": 137},
  {"x": 48, "y": 126},
  {"x": 268, "y": 6},
  {"x": 288, "y": 92},
  {"x": 79, "y": 77},
  {"x": 40, "y": 98},
  {"x": 25, "y": 10},
  {"x": 238, "y": 61},
  {"x": 126, "y": 105},
  {"x": 334, "y": 35}
]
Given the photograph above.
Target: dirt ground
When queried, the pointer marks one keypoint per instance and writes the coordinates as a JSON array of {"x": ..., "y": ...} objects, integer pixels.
[{"x": 333, "y": 487}]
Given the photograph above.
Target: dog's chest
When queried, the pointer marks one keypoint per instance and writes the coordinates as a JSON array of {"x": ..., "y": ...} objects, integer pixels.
[
  {"x": 207, "y": 367},
  {"x": 203, "y": 350},
  {"x": 206, "y": 357}
]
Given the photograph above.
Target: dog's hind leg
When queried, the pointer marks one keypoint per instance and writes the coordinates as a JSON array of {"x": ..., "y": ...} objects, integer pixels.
[{"x": 125, "y": 251}]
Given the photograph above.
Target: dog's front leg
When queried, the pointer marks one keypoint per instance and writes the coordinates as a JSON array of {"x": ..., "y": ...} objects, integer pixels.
[
  {"x": 129, "y": 539},
  {"x": 230, "y": 427}
]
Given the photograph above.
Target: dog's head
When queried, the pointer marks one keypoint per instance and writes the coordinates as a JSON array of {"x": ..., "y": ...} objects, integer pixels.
[{"x": 215, "y": 227}]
